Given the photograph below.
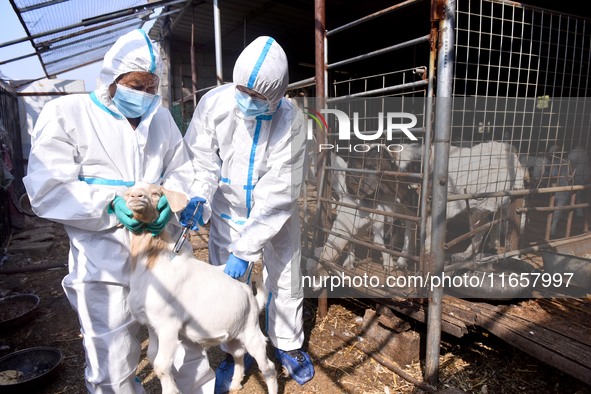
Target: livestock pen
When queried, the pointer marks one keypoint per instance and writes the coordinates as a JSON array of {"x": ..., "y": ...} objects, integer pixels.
[{"x": 459, "y": 145}]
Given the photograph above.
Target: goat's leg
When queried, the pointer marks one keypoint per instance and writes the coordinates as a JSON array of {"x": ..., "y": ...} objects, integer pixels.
[
  {"x": 378, "y": 229},
  {"x": 167, "y": 344},
  {"x": 256, "y": 345},
  {"x": 152, "y": 345},
  {"x": 349, "y": 222},
  {"x": 560, "y": 199},
  {"x": 477, "y": 218},
  {"x": 408, "y": 245},
  {"x": 236, "y": 349}
]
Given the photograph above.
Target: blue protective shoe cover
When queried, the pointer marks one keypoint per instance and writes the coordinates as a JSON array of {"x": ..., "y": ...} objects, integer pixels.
[
  {"x": 298, "y": 364},
  {"x": 225, "y": 371}
]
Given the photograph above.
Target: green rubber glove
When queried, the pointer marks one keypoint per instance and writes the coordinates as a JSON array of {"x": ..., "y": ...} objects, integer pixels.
[
  {"x": 158, "y": 225},
  {"x": 124, "y": 214}
]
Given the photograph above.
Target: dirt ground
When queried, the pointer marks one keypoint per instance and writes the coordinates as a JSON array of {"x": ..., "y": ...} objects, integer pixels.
[{"x": 476, "y": 363}]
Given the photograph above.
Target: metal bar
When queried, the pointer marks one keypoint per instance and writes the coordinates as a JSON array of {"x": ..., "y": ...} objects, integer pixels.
[
  {"x": 35, "y": 94},
  {"x": 412, "y": 175},
  {"x": 380, "y": 51},
  {"x": 219, "y": 73},
  {"x": 443, "y": 111},
  {"x": 426, "y": 188},
  {"x": 302, "y": 84},
  {"x": 371, "y": 16},
  {"x": 520, "y": 192},
  {"x": 370, "y": 210},
  {"x": 379, "y": 91},
  {"x": 371, "y": 246},
  {"x": 471, "y": 233},
  {"x": 20, "y": 57},
  {"x": 554, "y": 208},
  {"x": 193, "y": 61},
  {"x": 320, "y": 63}
]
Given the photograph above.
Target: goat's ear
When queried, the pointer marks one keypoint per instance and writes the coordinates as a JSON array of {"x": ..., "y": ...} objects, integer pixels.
[{"x": 177, "y": 201}]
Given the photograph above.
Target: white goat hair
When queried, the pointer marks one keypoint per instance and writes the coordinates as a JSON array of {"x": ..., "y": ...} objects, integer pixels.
[
  {"x": 349, "y": 222},
  {"x": 574, "y": 170},
  {"x": 488, "y": 167},
  {"x": 179, "y": 295}
]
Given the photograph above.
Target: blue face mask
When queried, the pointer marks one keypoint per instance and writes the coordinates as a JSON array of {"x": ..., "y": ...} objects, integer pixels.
[
  {"x": 251, "y": 106},
  {"x": 132, "y": 103}
]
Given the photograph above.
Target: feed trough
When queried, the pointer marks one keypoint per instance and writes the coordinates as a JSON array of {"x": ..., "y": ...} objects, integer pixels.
[
  {"x": 498, "y": 280},
  {"x": 577, "y": 268},
  {"x": 25, "y": 369},
  {"x": 17, "y": 309}
]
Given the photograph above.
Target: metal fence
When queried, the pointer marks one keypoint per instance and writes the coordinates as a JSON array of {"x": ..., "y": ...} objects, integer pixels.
[
  {"x": 12, "y": 163},
  {"x": 520, "y": 130}
]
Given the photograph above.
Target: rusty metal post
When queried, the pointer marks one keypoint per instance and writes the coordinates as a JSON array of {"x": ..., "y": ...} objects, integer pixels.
[
  {"x": 441, "y": 144},
  {"x": 217, "y": 26},
  {"x": 193, "y": 62},
  {"x": 320, "y": 66}
]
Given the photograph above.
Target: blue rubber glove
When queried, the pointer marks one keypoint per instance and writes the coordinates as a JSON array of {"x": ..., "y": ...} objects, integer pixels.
[
  {"x": 158, "y": 225},
  {"x": 124, "y": 214},
  {"x": 235, "y": 267},
  {"x": 188, "y": 212}
]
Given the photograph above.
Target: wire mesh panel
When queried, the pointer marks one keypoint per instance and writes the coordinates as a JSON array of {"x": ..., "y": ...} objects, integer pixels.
[
  {"x": 518, "y": 165},
  {"x": 369, "y": 191},
  {"x": 527, "y": 70}
]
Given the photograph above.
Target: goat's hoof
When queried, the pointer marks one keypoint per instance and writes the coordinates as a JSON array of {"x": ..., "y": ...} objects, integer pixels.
[
  {"x": 401, "y": 263},
  {"x": 348, "y": 265}
]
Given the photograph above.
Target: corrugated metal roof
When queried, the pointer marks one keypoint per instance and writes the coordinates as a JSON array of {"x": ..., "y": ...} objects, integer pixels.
[{"x": 68, "y": 34}]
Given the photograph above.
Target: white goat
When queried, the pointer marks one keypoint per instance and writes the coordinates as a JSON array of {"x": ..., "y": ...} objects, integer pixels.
[
  {"x": 349, "y": 222},
  {"x": 488, "y": 167},
  {"x": 178, "y": 295}
]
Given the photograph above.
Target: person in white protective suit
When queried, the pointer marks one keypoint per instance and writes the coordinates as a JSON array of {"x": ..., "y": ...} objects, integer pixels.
[
  {"x": 86, "y": 150},
  {"x": 247, "y": 144}
]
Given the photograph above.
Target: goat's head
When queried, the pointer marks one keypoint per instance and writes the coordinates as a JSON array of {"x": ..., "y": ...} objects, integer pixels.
[
  {"x": 365, "y": 184},
  {"x": 142, "y": 199},
  {"x": 379, "y": 182}
]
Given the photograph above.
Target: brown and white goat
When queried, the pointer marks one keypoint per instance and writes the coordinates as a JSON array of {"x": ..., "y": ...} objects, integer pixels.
[
  {"x": 179, "y": 295},
  {"x": 487, "y": 167}
]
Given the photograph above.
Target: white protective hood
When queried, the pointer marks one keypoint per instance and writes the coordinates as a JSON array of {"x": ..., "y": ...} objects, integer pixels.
[
  {"x": 262, "y": 67},
  {"x": 133, "y": 51}
]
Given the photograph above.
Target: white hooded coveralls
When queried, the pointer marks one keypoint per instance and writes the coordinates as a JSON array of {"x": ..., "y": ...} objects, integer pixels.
[
  {"x": 84, "y": 152},
  {"x": 250, "y": 169}
]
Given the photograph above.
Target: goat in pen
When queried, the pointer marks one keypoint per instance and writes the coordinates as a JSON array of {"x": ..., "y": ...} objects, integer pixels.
[
  {"x": 554, "y": 169},
  {"x": 180, "y": 296},
  {"x": 483, "y": 168},
  {"x": 351, "y": 221}
]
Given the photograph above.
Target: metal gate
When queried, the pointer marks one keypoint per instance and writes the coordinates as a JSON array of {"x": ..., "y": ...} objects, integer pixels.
[{"x": 520, "y": 130}]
